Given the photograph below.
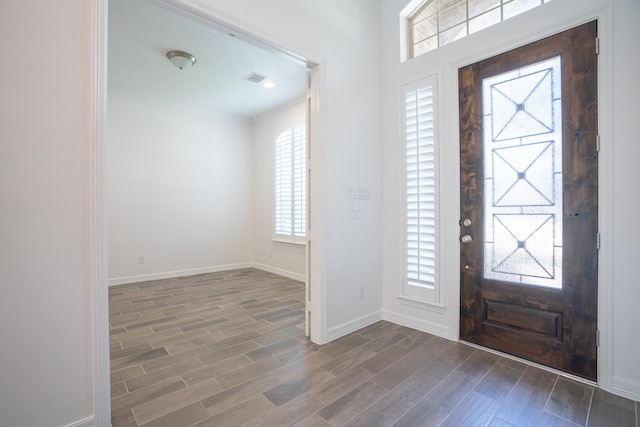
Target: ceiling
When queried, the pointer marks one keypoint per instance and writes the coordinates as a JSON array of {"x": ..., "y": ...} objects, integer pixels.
[{"x": 141, "y": 32}]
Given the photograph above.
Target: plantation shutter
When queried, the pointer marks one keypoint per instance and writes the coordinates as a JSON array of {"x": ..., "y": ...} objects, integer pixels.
[
  {"x": 420, "y": 188},
  {"x": 283, "y": 183},
  {"x": 291, "y": 182},
  {"x": 299, "y": 181}
]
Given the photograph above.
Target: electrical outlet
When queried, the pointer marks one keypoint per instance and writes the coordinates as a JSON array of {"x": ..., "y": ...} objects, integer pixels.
[
  {"x": 361, "y": 294},
  {"x": 355, "y": 213},
  {"x": 140, "y": 259}
]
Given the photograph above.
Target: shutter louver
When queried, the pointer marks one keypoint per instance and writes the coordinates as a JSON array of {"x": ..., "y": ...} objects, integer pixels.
[{"x": 420, "y": 188}]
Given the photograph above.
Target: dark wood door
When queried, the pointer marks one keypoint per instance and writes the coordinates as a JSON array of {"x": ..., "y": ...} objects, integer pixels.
[{"x": 528, "y": 227}]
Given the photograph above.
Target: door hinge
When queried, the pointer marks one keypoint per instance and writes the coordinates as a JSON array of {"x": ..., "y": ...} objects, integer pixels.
[
  {"x": 597, "y": 337},
  {"x": 598, "y": 241},
  {"x": 598, "y": 143},
  {"x": 597, "y": 45}
]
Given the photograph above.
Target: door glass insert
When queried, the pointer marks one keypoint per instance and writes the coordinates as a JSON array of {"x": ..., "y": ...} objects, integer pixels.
[{"x": 523, "y": 175}]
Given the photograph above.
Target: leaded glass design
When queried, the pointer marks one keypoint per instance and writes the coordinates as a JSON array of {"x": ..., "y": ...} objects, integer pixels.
[{"x": 523, "y": 175}]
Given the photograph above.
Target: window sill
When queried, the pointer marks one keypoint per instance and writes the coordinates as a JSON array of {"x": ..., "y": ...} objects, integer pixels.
[
  {"x": 289, "y": 242},
  {"x": 422, "y": 304}
]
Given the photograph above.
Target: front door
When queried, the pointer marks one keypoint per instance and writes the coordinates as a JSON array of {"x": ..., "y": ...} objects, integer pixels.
[{"x": 528, "y": 227}]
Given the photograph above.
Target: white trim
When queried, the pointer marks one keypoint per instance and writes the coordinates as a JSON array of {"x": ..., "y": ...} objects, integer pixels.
[
  {"x": 626, "y": 388},
  {"x": 605, "y": 199},
  {"x": 178, "y": 273},
  {"x": 280, "y": 272},
  {"x": 422, "y": 304},
  {"x": 87, "y": 422},
  {"x": 353, "y": 325},
  {"x": 437, "y": 329},
  {"x": 316, "y": 246},
  {"x": 98, "y": 220},
  {"x": 204, "y": 270},
  {"x": 289, "y": 242}
]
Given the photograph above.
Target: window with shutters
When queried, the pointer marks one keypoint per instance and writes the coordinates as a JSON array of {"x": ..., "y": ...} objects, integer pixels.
[
  {"x": 420, "y": 191},
  {"x": 291, "y": 184},
  {"x": 438, "y": 22}
]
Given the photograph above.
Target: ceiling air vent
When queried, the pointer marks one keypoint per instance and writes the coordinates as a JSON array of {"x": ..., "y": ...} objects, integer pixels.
[{"x": 255, "y": 77}]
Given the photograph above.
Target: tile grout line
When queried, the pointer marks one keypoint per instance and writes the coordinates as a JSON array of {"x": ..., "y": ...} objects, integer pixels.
[
  {"x": 504, "y": 401},
  {"x": 593, "y": 393},
  {"x": 548, "y": 398}
]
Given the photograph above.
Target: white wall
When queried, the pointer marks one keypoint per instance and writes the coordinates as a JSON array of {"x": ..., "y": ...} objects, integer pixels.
[
  {"x": 622, "y": 368},
  {"x": 345, "y": 38},
  {"x": 626, "y": 197},
  {"x": 179, "y": 190},
  {"x": 283, "y": 258},
  {"x": 45, "y": 293}
]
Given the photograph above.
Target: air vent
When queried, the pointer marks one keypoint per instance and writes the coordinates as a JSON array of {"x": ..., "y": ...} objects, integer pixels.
[{"x": 255, "y": 77}]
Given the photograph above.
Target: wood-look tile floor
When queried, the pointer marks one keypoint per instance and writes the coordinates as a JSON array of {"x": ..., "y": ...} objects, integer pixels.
[{"x": 228, "y": 349}]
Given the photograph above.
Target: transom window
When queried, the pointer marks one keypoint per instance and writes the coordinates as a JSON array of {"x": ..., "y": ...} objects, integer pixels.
[
  {"x": 291, "y": 184},
  {"x": 439, "y": 22}
]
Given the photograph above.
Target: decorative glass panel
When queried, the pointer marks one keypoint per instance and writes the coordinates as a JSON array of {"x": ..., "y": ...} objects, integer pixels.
[{"x": 523, "y": 175}]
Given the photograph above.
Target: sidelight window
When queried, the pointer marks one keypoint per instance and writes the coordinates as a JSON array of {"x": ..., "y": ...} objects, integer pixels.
[{"x": 420, "y": 190}]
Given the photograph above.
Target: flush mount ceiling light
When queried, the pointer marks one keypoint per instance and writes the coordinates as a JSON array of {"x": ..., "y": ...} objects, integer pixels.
[{"x": 181, "y": 59}]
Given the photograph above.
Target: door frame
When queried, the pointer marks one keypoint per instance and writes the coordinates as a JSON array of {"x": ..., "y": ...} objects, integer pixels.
[
  {"x": 98, "y": 244},
  {"x": 451, "y": 159}
]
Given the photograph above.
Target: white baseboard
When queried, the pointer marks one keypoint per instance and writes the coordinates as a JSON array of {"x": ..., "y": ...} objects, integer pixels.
[
  {"x": 177, "y": 273},
  {"x": 353, "y": 325},
  {"x": 87, "y": 422},
  {"x": 280, "y": 272},
  {"x": 418, "y": 324},
  {"x": 626, "y": 388}
]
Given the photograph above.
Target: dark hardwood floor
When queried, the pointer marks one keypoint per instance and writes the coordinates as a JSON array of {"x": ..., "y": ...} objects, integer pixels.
[{"x": 228, "y": 349}]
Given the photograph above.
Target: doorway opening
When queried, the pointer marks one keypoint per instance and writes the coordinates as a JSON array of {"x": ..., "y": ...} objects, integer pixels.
[{"x": 314, "y": 324}]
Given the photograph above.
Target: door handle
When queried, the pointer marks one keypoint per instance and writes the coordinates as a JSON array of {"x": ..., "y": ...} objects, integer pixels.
[{"x": 466, "y": 239}]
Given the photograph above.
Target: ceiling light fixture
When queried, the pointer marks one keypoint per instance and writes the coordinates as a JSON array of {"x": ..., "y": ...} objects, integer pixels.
[
  {"x": 269, "y": 84},
  {"x": 181, "y": 59}
]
